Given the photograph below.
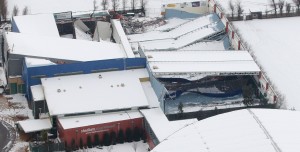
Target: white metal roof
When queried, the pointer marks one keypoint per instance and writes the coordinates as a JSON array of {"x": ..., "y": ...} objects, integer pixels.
[
  {"x": 40, "y": 24},
  {"x": 198, "y": 56},
  {"x": 95, "y": 92},
  {"x": 88, "y": 120},
  {"x": 37, "y": 92},
  {"x": 161, "y": 126},
  {"x": 34, "y": 125},
  {"x": 62, "y": 48},
  {"x": 179, "y": 63},
  {"x": 265, "y": 130}
]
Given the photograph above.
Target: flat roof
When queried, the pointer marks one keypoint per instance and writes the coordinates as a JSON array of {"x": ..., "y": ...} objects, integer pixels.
[
  {"x": 35, "y": 62},
  {"x": 161, "y": 126},
  {"x": 37, "y": 92},
  {"x": 34, "y": 125},
  {"x": 248, "y": 130},
  {"x": 88, "y": 120},
  {"x": 164, "y": 63},
  {"x": 198, "y": 56},
  {"x": 276, "y": 52},
  {"x": 39, "y": 24},
  {"x": 62, "y": 48},
  {"x": 95, "y": 92}
]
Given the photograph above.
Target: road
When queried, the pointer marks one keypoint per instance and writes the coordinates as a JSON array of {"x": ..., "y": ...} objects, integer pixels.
[{"x": 4, "y": 136}]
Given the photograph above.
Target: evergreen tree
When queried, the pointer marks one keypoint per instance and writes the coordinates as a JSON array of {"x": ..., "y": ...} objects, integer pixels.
[
  {"x": 136, "y": 134},
  {"x": 81, "y": 143},
  {"x": 106, "y": 139},
  {"x": 128, "y": 135},
  {"x": 96, "y": 140},
  {"x": 89, "y": 141},
  {"x": 113, "y": 137},
  {"x": 121, "y": 136}
]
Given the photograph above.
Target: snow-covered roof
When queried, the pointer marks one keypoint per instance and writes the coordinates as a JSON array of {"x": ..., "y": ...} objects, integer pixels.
[
  {"x": 88, "y": 120},
  {"x": 197, "y": 56},
  {"x": 164, "y": 63},
  {"x": 34, "y": 62},
  {"x": 276, "y": 50},
  {"x": 176, "y": 31},
  {"x": 96, "y": 92},
  {"x": 34, "y": 125},
  {"x": 62, "y": 48},
  {"x": 266, "y": 130},
  {"x": 161, "y": 126},
  {"x": 206, "y": 46},
  {"x": 40, "y": 24},
  {"x": 37, "y": 92}
]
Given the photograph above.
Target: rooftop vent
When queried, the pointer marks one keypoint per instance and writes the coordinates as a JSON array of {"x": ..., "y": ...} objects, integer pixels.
[{"x": 58, "y": 90}]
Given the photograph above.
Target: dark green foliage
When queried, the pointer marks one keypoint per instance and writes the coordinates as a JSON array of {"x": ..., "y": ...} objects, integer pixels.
[
  {"x": 136, "y": 134},
  {"x": 81, "y": 143},
  {"x": 128, "y": 135},
  {"x": 73, "y": 144},
  {"x": 89, "y": 141},
  {"x": 96, "y": 140},
  {"x": 106, "y": 139},
  {"x": 113, "y": 137},
  {"x": 143, "y": 135},
  {"x": 121, "y": 136}
]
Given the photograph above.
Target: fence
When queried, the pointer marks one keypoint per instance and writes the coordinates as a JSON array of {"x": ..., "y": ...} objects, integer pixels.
[
  {"x": 46, "y": 147},
  {"x": 237, "y": 44}
]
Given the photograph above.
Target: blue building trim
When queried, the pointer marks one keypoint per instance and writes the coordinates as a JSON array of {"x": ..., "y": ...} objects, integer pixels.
[
  {"x": 32, "y": 75},
  {"x": 14, "y": 27}
]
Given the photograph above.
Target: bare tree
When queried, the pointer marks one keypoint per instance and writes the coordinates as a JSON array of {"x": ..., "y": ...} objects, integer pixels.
[
  {"x": 239, "y": 9},
  {"x": 95, "y": 7},
  {"x": 133, "y": 4},
  {"x": 280, "y": 6},
  {"x": 124, "y": 2},
  {"x": 115, "y": 4},
  {"x": 274, "y": 6},
  {"x": 143, "y": 5},
  {"x": 231, "y": 7},
  {"x": 105, "y": 4},
  {"x": 297, "y": 3},
  {"x": 15, "y": 10},
  {"x": 3, "y": 9},
  {"x": 288, "y": 8},
  {"x": 25, "y": 10}
]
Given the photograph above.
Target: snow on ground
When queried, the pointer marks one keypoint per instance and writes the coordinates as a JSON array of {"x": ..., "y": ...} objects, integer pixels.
[
  {"x": 250, "y": 5},
  {"x": 276, "y": 46},
  {"x": 126, "y": 147},
  {"x": 19, "y": 146},
  {"x": 15, "y": 105},
  {"x": 251, "y": 130}
]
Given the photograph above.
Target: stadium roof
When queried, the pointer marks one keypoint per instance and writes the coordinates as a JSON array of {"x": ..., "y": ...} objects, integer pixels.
[
  {"x": 116, "y": 90},
  {"x": 41, "y": 24},
  {"x": 265, "y": 130},
  {"x": 62, "y": 48},
  {"x": 191, "y": 64}
]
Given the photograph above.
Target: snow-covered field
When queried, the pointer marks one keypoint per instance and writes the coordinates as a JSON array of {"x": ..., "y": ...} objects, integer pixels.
[
  {"x": 275, "y": 43},
  {"x": 250, "y": 5}
]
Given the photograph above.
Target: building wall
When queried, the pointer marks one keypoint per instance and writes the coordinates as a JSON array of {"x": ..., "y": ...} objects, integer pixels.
[{"x": 68, "y": 135}]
